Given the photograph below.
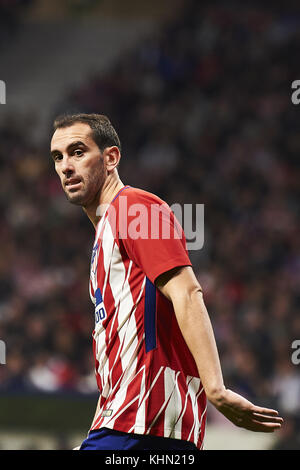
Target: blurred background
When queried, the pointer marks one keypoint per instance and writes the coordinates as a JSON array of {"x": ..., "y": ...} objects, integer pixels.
[{"x": 200, "y": 94}]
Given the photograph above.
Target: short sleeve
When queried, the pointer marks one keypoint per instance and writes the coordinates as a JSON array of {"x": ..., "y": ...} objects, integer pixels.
[{"x": 150, "y": 233}]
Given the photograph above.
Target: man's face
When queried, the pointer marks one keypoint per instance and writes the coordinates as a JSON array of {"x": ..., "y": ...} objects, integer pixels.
[{"x": 78, "y": 162}]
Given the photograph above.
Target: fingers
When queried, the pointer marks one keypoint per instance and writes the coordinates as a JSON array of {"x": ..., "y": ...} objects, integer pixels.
[
  {"x": 264, "y": 411},
  {"x": 261, "y": 422},
  {"x": 257, "y": 426},
  {"x": 245, "y": 414},
  {"x": 267, "y": 419},
  {"x": 265, "y": 415}
]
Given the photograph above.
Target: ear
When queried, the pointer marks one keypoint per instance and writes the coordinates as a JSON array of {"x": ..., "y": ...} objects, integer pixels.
[{"x": 111, "y": 158}]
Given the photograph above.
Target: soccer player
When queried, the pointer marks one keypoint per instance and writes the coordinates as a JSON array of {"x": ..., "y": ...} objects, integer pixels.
[{"x": 156, "y": 360}]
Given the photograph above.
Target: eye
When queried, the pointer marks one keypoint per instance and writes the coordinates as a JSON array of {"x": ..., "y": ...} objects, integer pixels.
[
  {"x": 78, "y": 153},
  {"x": 57, "y": 157}
]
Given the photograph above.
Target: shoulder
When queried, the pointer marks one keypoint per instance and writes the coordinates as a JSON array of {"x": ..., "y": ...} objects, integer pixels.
[{"x": 139, "y": 196}]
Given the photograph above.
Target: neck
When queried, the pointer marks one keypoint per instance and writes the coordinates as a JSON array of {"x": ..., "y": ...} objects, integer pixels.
[{"x": 109, "y": 190}]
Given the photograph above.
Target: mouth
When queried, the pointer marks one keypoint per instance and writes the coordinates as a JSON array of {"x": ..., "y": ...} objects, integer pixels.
[{"x": 72, "y": 183}]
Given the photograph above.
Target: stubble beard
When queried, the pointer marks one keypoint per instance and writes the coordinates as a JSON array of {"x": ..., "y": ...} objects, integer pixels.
[{"x": 86, "y": 196}]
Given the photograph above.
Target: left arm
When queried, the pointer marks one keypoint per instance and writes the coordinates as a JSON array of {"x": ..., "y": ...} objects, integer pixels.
[{"x": 181, "y": 287}]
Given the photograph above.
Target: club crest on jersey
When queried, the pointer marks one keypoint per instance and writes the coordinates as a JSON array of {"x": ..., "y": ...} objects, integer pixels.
[
  {"x": 100, "y": 312},
  {"x": 94, "y": 259}
]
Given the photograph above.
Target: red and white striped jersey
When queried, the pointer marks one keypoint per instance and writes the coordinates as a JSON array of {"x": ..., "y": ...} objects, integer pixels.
[{"x": 147, "y": 378}]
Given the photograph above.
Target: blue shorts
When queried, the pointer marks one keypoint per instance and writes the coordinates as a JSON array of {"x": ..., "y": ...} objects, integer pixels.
[{"x": 109, "y": 439}]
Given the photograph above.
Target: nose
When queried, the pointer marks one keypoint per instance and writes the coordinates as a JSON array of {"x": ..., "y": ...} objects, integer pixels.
[{"x": 67, "y": 167}]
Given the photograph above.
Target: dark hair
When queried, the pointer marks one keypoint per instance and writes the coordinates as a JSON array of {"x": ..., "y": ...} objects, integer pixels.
[{"x": 103, "y": 132}]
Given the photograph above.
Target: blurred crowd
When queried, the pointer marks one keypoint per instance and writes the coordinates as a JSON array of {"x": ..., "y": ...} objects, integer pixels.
[
  {"x": 11, "y": 12},
  {"x": 204, "y": 113}
]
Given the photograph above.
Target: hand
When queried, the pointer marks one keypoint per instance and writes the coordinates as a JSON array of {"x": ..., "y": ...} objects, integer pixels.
[{"x": 245, "y": 414}]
